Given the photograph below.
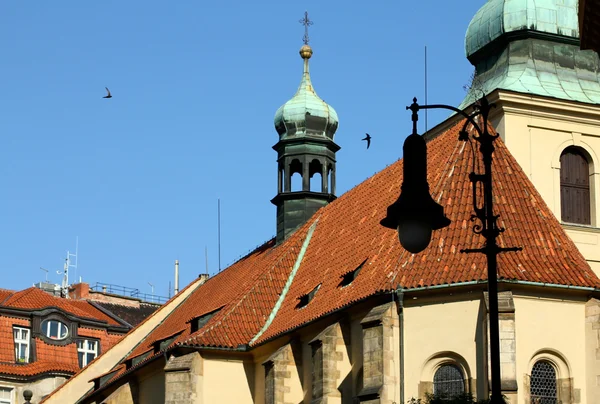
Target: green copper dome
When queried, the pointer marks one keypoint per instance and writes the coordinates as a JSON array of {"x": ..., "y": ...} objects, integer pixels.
[
  {"x": 531, "y": 47},
  {"x": 306, "y": 113},
  {"x": 498, "y": 17}
]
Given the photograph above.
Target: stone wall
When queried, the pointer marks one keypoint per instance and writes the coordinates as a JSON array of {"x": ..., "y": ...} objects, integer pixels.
[
  {"x": 508, "y": 343},
  {"x": 379, "y": 343},
  {"x": 282, "y": 385},
  {"x": 183, "y": 379},
  {"x": 327, "y": 349},
  {"x": 592, "y": 350}
]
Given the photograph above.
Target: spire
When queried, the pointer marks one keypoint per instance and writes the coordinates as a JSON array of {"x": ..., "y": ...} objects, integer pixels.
[
  {"x": 306, "y": 22},
  {"x": 306, "y": 125},
  {"x": 306, "y": 52}
]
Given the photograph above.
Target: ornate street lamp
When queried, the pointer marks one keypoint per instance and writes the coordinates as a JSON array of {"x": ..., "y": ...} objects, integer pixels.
[{"x": 415, "y": 214}]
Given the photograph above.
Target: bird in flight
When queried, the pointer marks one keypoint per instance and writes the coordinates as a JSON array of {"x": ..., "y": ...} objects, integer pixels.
[
  {"x": 368, "y": 139},
  {"x": 108, "y": 95}
]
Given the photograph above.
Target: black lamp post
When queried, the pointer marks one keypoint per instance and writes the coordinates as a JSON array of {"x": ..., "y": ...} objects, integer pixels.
[{"x": 415, "y": 214}]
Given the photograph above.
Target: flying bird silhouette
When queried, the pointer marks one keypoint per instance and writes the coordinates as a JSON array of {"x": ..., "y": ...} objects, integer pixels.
[
  {"x": 108, "y": 95},
  {"x": 368, "y": 139}
]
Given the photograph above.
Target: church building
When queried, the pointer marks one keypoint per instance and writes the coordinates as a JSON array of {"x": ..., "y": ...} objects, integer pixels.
[{"x": 334, "y": 310}]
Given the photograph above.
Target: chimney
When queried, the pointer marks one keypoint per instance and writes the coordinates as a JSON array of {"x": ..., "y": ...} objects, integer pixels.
[
  {"x": 176, "y": 290},
  {"x": 79, "y": 291}
]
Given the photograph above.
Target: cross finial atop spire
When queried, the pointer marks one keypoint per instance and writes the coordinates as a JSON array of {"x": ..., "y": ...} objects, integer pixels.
[{"x": 306, "y": 22}]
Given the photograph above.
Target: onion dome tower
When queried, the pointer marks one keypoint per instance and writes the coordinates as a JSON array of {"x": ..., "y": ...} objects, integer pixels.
[
  {"x": 306, "y": 126},
  {"x": 531, "y": 47}
]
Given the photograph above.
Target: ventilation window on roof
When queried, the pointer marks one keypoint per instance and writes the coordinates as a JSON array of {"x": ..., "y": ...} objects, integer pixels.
[
  {"x": 199, "y": 322},
  {"x": 137, "y": 359},
  {"x": 306, "y": 299},
  {"x": 163, "y": 344},
  {"x": 349, "y": 277}
]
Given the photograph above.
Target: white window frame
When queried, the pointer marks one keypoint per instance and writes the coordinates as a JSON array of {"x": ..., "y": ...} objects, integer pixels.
[
  {"x": 12, "y": 394},
  {"x": 82, "y": 346},
  {"x": 59, "y": 328},
  {"x": 22, "y": 341}
]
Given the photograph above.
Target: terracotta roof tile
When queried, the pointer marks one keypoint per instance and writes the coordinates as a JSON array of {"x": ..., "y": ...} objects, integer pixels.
[
  {"x": 549, "y": 255},
  {"x": 36, "y": 299},
  {"x": 347, "y": 232},
  {"x": 5, "y": 294},
  {"x": 49, "y": 357}
]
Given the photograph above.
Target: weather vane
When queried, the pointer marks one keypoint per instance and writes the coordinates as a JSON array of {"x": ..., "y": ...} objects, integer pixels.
[{"x": 306, "y": 22}]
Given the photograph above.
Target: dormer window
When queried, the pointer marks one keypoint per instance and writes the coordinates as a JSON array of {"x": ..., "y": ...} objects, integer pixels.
[
  {"x": 164, "y": 343},
  {"x": 87, "y": 350},
  {"x": 307, "y": 298},
  {"x": 349, "y": 277},
  {"x": 54, "y": 329},
  {"x": 21, "y": 337},
  {"x": 199, "y": 322}
]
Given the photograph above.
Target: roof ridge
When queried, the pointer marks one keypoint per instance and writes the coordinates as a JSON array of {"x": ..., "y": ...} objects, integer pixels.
[{"x": 288, "y": 283}]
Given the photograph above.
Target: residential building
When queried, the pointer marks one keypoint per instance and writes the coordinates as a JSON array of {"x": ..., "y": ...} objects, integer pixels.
[{"x": 46, "y": 339}]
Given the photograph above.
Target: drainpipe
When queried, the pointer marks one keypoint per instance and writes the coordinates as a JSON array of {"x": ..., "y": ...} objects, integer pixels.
[{"x": 400, "y": 295}]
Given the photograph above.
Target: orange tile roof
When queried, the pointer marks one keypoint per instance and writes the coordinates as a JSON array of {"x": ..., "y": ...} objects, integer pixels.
[
  {"x": 5, "y": 294},
  {"x": 49, "y": 357},
  {"x": 347, "y": 232},
  {"x": 35, "y": 299},
  {"x": 36, "y": 368}
]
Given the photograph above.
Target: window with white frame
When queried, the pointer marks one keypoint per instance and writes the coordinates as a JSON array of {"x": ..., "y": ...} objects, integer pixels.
[
  {"x": 6, "y": 395},
  {"x": 21, "y": 337},
  {"x": 54, "y": 329},
  {"x": 87, "y": 350}
]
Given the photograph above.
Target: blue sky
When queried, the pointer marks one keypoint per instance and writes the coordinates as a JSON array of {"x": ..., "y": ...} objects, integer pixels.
[{"x": 195, "y": 87}]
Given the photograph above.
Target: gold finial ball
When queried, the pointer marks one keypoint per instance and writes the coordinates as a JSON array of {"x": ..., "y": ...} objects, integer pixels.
[{"x": 306, "y": 52}]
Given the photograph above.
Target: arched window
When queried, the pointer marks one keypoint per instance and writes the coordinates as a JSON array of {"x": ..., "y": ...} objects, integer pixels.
[
  {"x": 543, "y": 383},
  {"x": 448, "y": 381},
  {"x": 574, "y": 186}
]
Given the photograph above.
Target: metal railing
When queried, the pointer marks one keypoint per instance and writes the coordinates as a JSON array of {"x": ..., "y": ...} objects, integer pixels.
[{"x": 128, "y": 292}]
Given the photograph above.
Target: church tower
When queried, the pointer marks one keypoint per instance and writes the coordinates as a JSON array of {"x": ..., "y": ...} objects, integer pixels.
[
  {"x": 546, "y": 90},
  {"x": 306, "y": 126}
]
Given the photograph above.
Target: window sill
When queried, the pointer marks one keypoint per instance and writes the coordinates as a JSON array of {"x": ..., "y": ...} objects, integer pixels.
[{"x": 580, "y": 227}]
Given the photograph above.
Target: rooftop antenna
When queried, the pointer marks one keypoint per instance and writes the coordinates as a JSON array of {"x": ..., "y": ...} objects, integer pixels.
[
  {"x": 64, "y": 287},
  {"x": 75, "y": 255},
  {"x": 45, "y": 270},
  {"x": 206, "y": 257},
  {"x": 152, "y": 286},
  {"x": 219, "y": 229}
]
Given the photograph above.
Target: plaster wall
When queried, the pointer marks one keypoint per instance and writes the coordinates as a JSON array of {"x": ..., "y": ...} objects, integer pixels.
[
  {"x": 227, "y": 381},
  {"x": 40, "y": 388},
  {"x": 553, "y": 330},
  {"x": 152, "y": 388},
  {"x": 438, "y": 333},
  {"x": 122, "y": 395},
  {"x": 536, "y": 131}
]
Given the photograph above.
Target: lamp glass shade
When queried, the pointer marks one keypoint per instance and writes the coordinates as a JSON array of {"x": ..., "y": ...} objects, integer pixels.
[{"x": 414, "y": 234}]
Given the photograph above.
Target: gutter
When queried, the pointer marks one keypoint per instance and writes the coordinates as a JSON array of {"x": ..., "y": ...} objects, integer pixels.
[
  {"x": 400, "y": 295},
  {"x": 510, "y": 281},
  {"x": 550, "y": 285},
  {"x": 444, "y": 286}
]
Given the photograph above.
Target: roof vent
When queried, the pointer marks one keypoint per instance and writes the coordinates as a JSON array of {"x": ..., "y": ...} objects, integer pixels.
[
  {"x": 349, "y": 277},
  {"x": 307, "y": 298},
  {"x": 200, "y": 321}
]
